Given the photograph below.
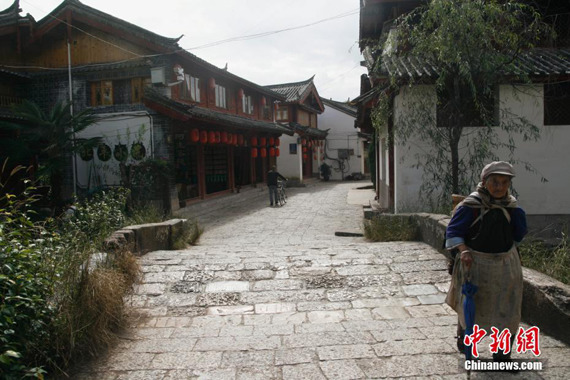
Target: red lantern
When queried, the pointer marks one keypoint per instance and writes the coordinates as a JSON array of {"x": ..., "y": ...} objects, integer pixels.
[
  {"x": 271, "y": 141},
  {"x": 212, "y": 83},
  {"x": 224, "y": 137},
  {"x": 272, "y": 152},
  {"x": 195, "y": 135},
  {"x": 304, "y": 149},
  {"x": 253, "y": 152},
  {"x": 277, "y": 142},
  {"x": 276, "y": 152},
  {"x": 310, "y": 144},
  {"x": 203, "y": 137},
  {"x": 254, "y": 141},
  {"x": 305, "y": 157},
  {"x": 303, "y": 142},
  {"x": 263, "y": 152},
  {"x": 212, "y": 137},
  {"x": 262, "y": 141},
  {"x": 240, "y": 139},
  {"x": 263, "y": 101},
  {"x": 234, "y": 139}
]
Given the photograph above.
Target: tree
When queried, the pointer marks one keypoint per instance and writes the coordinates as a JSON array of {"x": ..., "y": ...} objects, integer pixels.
[
  {"x": 474, "y": 45},
  {"x": 51, "y": 137}
]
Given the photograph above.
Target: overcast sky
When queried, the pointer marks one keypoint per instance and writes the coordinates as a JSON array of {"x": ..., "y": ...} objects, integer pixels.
[{"x": 329, "y": 50}]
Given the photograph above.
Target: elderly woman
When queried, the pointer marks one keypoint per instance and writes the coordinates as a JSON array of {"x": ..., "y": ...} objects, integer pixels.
[{"x": 483, "y": 232}]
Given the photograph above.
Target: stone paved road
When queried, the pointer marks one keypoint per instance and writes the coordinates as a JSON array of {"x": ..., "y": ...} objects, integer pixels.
[{"x": 271, "y": 293}]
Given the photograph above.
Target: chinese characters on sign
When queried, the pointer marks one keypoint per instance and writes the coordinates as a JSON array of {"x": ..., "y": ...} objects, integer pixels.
[{"x": 501, "y": 340}]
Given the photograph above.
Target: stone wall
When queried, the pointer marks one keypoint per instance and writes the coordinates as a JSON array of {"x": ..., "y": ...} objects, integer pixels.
[{"x": 546, "y": 301}]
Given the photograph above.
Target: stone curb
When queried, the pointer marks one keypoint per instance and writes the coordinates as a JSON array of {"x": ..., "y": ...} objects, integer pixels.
[
  {"x": 143, "y": 238},
  {"x": 546, "y": 301}
]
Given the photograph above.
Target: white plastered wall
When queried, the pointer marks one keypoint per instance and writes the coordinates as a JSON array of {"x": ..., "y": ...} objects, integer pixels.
[
  {"x": 287, "y": 163},
  {"x": 341, "y": 135},
  {"x": 549, "y": 156}
]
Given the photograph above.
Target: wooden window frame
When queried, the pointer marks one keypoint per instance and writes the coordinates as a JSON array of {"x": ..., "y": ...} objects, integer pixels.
[
  {"x": 221, "y": 96},
  {"x": 247, "y": 104}
]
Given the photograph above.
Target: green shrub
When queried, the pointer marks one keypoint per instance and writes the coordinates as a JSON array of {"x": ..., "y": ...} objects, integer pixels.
[
  {"x": 390, "y": 228},
  {"x": 56, "y": 301},
  {"x": 551, "y": 260}
]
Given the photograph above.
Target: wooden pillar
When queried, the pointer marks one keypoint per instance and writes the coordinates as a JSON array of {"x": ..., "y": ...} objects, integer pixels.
[
  {"x": 252, "y": 168},
  {"x": 201, "y": 172},
  {"x": 231, "y": 171}
]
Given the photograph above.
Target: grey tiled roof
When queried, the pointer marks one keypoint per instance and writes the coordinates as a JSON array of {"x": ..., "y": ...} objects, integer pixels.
[
  {"x": 536, "y": 62},
  {"x": 308, "y": 131},
  {"x": 340, "y": 106},
  {"x": 292, "y": 91},
  {"x": 209, "y": 115}
]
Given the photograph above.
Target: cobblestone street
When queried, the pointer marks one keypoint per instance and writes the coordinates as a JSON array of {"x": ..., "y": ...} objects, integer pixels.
[{"x": 272, "y": 293}]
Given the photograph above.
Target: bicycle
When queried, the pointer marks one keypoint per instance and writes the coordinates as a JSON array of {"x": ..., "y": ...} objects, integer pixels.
[{"x": 281, "y": 195}]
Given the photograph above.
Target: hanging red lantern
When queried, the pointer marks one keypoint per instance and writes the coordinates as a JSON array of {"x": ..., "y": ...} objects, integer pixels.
[
  {"x": 254, "y": 141},
  {"x": 271, "y": 141},
  {"x": 276, "y": 152},
  {"x": 263, "y": 152},
  {"x": 234, "y": 139},
  {"x": 304, "y": 149},
  {"x": 212, "y": 137},
  {"x": 195, "y": 135},
  {"x": 203, "y": 137},
  {"x": 212, "y": 83},
  {"x": 305, "y": 157},
  {"x": 263, "y": 101},
  {"x": 253, "y": 152},
  {"x": 224, "y": 137},
  {"x": 272, "y": 152},
  {"x": 303, "y": 142},
  {"x": 240, "y": 139},
  {"x": 262, "y": 141},
  {"x": 277, "y": 142}
]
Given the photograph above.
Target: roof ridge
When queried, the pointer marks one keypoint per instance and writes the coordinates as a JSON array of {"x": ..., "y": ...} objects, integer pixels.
[{"x": 306, "y": 81}]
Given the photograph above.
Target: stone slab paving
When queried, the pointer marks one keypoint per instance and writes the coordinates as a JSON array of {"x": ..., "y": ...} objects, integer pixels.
[{"x": 272, "y": 293}]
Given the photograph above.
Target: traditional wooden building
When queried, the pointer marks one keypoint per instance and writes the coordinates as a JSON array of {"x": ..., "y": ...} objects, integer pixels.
[
  {"x": 213, "y": 129},
  {"x": 303, "y": 152}
]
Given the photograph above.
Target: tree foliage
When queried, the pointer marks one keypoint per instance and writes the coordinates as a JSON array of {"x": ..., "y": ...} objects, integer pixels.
[
  {"x": 474, "y": 45},
  {"x": 51, "y": 137}
]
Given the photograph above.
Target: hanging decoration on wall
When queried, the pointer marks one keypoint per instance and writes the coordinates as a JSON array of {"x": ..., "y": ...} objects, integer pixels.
[
  {"x": 224, "y": 137},
  {"x": 262, "y": 141},
  {"x": 203, "y": 137},
  {"x": 272, "y": 152},
  {"x": 138, "y": 151},
  {"x": 103, "y": 152},
  {"x": 240, "y": 139},
  {"x": 263, "y": 152},
  {"x": 276, "y": 152},
  {"x": 212, "y": 137},
  {"x": 277, "y": 142},
  {"x": 121, "y": 153},
  {"x": 254, "y": 152},
  {"x": 271, "y": 141},
  {"x": 254, "y": 141}
]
